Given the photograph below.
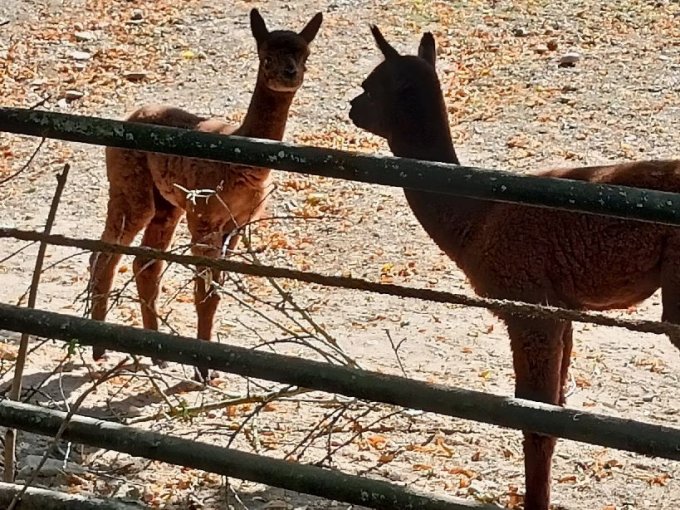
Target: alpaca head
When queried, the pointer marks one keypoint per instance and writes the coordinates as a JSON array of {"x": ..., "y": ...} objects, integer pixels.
[
  {"x": 402, "y": 94},
  {"x": 283, "y": 53}
]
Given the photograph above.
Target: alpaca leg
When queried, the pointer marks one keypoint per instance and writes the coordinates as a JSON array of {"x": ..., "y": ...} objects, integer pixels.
[
  {"x": 567, "y": 344},
  {"x": 670, "y": 286},
  {"x": 206, "y": 299},
  {"x": 206, "y": 241},
  {"x": 537, "y": 355},
  {"x": 158, "y": 234},
  {"x": 123, "y": 223},
  {"x": 206, "y": 294}
]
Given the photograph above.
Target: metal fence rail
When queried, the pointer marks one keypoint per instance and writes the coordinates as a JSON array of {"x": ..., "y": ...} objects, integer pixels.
[
  {"x": 609, "y": 200},
  {"x": 521, "y": 308},
  {"x": 521, "y": 414},
  {"x": 226, "y": 461}
]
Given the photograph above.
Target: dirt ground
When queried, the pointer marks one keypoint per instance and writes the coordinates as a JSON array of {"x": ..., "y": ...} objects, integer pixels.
[{"x": 511, "y": 107}]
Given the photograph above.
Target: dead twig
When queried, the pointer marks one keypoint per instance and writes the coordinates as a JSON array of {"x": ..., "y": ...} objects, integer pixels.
[
  {"x": 25, "y": 165},
  {"x": 223, "y": 404},
  {"x": 357, "y": 434},
  {"x": 305, "y": 315},
  {"x": 395, "y": 349},
  {"x": 74, "y": 408},
  {"x": 16, "y": 252},
  {"x": 254, "y": 413},
  {"x": 317, "y": 431},
  {"x": 41, "y": 102}
]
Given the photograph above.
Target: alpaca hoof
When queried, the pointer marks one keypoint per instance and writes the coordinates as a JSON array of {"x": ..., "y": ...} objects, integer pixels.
[
  {"x": 204, "y": 375},
  {"x": 98, "y": 353},
  {"x": 160, "y": 363}
]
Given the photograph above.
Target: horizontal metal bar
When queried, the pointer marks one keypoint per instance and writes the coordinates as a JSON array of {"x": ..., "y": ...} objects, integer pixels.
[
  {"x": 566, "y": 194},
  {"x": 520, "y": 308},
  {"x": 225, "y": 461},
  {"x": 537, "y": 417},
  {"x": 35, "y": 498}
]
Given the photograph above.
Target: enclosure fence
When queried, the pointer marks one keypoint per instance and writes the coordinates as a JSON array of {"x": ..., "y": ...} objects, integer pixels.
[{"x": 609, "y": 200}]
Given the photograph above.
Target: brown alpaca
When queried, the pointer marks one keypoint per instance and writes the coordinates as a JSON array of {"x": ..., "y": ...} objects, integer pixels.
[
  {"x": 149, "y": 190},
  {"x": 525, "y": 253}
]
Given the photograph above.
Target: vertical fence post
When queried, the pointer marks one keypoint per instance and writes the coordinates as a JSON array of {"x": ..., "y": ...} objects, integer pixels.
[{"x": 15, "y": 390}]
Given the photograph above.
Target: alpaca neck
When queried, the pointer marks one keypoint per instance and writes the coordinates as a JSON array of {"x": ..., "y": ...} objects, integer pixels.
[
  {"x": 267, "y": 113},
  {"x": 448, "y": 219}
]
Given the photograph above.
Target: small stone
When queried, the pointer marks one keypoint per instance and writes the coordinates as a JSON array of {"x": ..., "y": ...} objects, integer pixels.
[
  {"x": 135, "y": 75},
  {"x": 541, "y": 49},
  {"x": 569, "y": 59},
  {"x": 137, "y": 15},
  {"x": 84, "y": 36},
  {"x": 72, "y": 95},
  {"x": 552, "y": 45},
  {"x": 52, "y": 467},
  {"x": 81, "y": 56},
  {"x": 519, "y": 32}
]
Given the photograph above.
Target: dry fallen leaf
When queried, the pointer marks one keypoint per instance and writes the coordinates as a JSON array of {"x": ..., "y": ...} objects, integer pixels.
[
  {"x": 486, "y": 374},
  {"x": 515, "y": 500},
  {"x": 659, "y": 480},
  {"x": 8, "y": 352},
  {"x": 462, "y": 471},
  {"x": 377, "y": 441},
  {"x": 386, "y": 457}
]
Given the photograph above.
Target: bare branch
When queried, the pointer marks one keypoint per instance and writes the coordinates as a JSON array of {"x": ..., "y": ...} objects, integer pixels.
[
  {"x": 60, "y": 432},
  {"x": 25, "y": 165}
]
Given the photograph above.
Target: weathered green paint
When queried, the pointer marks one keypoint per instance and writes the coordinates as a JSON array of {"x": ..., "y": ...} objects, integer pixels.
[
  {"x": 226, "y": 461},
  {"x": 609, "y": 200},
  {"x": 623, "y": 434},
  {"x": 35, "y": 498}
]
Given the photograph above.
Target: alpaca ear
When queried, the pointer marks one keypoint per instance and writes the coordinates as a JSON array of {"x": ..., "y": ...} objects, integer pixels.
[
  {"x": 387, "y": 50},
  {"x": 427, "y": 50},
  {"x": 309, "y": 32},
  {"x": 258, "y": 26}
]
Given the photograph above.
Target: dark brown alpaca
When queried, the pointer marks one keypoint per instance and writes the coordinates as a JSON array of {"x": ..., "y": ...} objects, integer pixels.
[
  {"x": 525, "y": 253},
  {"x": 149, "y": 190}
]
